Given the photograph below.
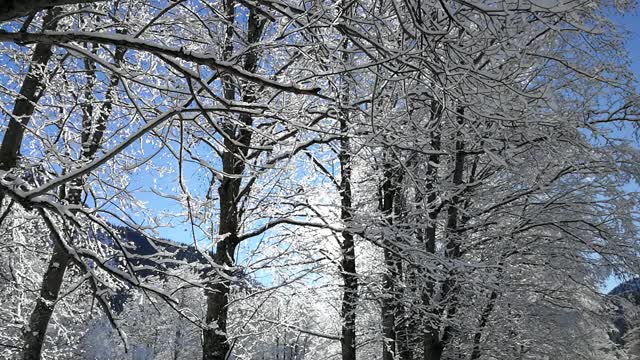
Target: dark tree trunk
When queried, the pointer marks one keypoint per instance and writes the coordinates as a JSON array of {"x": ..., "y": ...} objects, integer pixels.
[
  {"x": 349, "y": 276},
  {"x": 433, "y": 347},
  {"x": 392, "y": 266},
  {"x": 403, "y": 317},
  {"x": 431, "y": 341},
  {"x": 484, "y": 319},
  {"x": 411, "y": 327},
  {"x": 438, "y": 336},
  {"x": 432, "y": 173},
  {"x": 30, "y": 92},
  {"x": 348, "y": 262},
  {"x": 216, "y": 344},
  {"x": 349, "y": 298},
  {"x": 34, "y": 333}
]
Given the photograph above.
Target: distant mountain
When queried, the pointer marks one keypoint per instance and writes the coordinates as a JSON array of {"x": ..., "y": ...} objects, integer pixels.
[
  {"x": 153, "y": 257},
  {"x": 629, "y": 289},
  {"x": 148, "y": 257},
  {"x": 626, "y": 317}
]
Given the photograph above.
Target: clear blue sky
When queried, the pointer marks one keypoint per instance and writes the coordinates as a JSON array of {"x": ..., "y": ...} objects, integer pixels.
[{"x": 630, "y": 21}]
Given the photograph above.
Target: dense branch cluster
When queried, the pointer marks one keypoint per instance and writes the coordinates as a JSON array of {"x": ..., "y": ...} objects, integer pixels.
[{"x": 394, "y": 180}]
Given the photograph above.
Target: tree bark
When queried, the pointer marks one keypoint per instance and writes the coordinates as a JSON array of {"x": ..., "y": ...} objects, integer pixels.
[
  {"x": 34, "y": 333},
  {"x": 348, "y": 262},
  {"x": 404, "y": 337},
  {"x": 388, "y": 307},
  {"x": 392, "y": 267},
  {"x": 349, "y": 275},
  {"x": 431, "y": 348},
  {"x": 216, "y": 344},
  {"x": 30, "y": 92},
  {"x": 438, "y": 336},
  {"x": 11, "y": 9},
  {"x": 484, "y": 319}
]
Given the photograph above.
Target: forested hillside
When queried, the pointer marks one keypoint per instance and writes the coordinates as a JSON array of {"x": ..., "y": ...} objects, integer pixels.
[{"x": 349, "y": 179}]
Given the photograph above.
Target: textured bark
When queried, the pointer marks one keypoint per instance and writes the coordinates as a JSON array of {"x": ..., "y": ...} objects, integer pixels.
[
  {"x": 392, "y": 267},
  {"x": 438, "y": 336},
  {"x": 348, "y": 262},
  {"x": 404, "y": 336},
  {"x": 216, "y": 344},
  {"x": 432, "y": 173},
  {"x": 431, "y": 349},
  {"x": 92, "y": 133},
  {"x": 34, "y": 333},
  {"x": 484, "y": 319},
  {"x": 349, "y": 275},
  {"x": 388, "y": 307},
  {"x": 11, "y": 9},
  {"x": 411, "y": 336},
  {"x": 30, "y": 92}
]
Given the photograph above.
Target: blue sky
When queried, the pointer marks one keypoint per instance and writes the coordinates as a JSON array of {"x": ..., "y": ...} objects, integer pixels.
[{"x": 629, "y": 21}]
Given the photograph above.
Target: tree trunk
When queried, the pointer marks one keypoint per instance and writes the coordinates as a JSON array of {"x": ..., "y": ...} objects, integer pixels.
[
  {"x": 433, "y": 347},
  {"x": 388, "y": 307},
  {"x": 30, "y": 92},
  {"x": 476, "y": 352},
  {"x": 484, "y": 319},
  {"x": 348, "y": 264},
  {"x": 404, "y": 342},
  {"x": 34, "y": 333},
  {"x": 431, "y": 341},
  {"x": 349, "y": 276},
  {"x": 216, "y": 344},
  {"x": 392, "y": 266},
  {"x": 437, "y": 336}
]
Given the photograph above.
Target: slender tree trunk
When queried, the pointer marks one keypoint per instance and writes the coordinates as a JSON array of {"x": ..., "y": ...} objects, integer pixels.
[
  {"x": 433, "y": 347},
  {"x": 35, "y": 332},
  {"x": 412, "y": 316},
  {"x": 392, "y": 266},
  {"x": 484, "y": 319},
  {"x": 30, "y": 92},
  {"x": 404, "y": 345},
  {"x": 216, "y": 344},
  {"x": 388, "y": 307},
  {"x": 349, "y": 275},
  {"x": 438, "y": 336},
  {"x": 348, "y": 263},
  {"x": 476, "y": 352},
  {"x": 431, "y": 341}
]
